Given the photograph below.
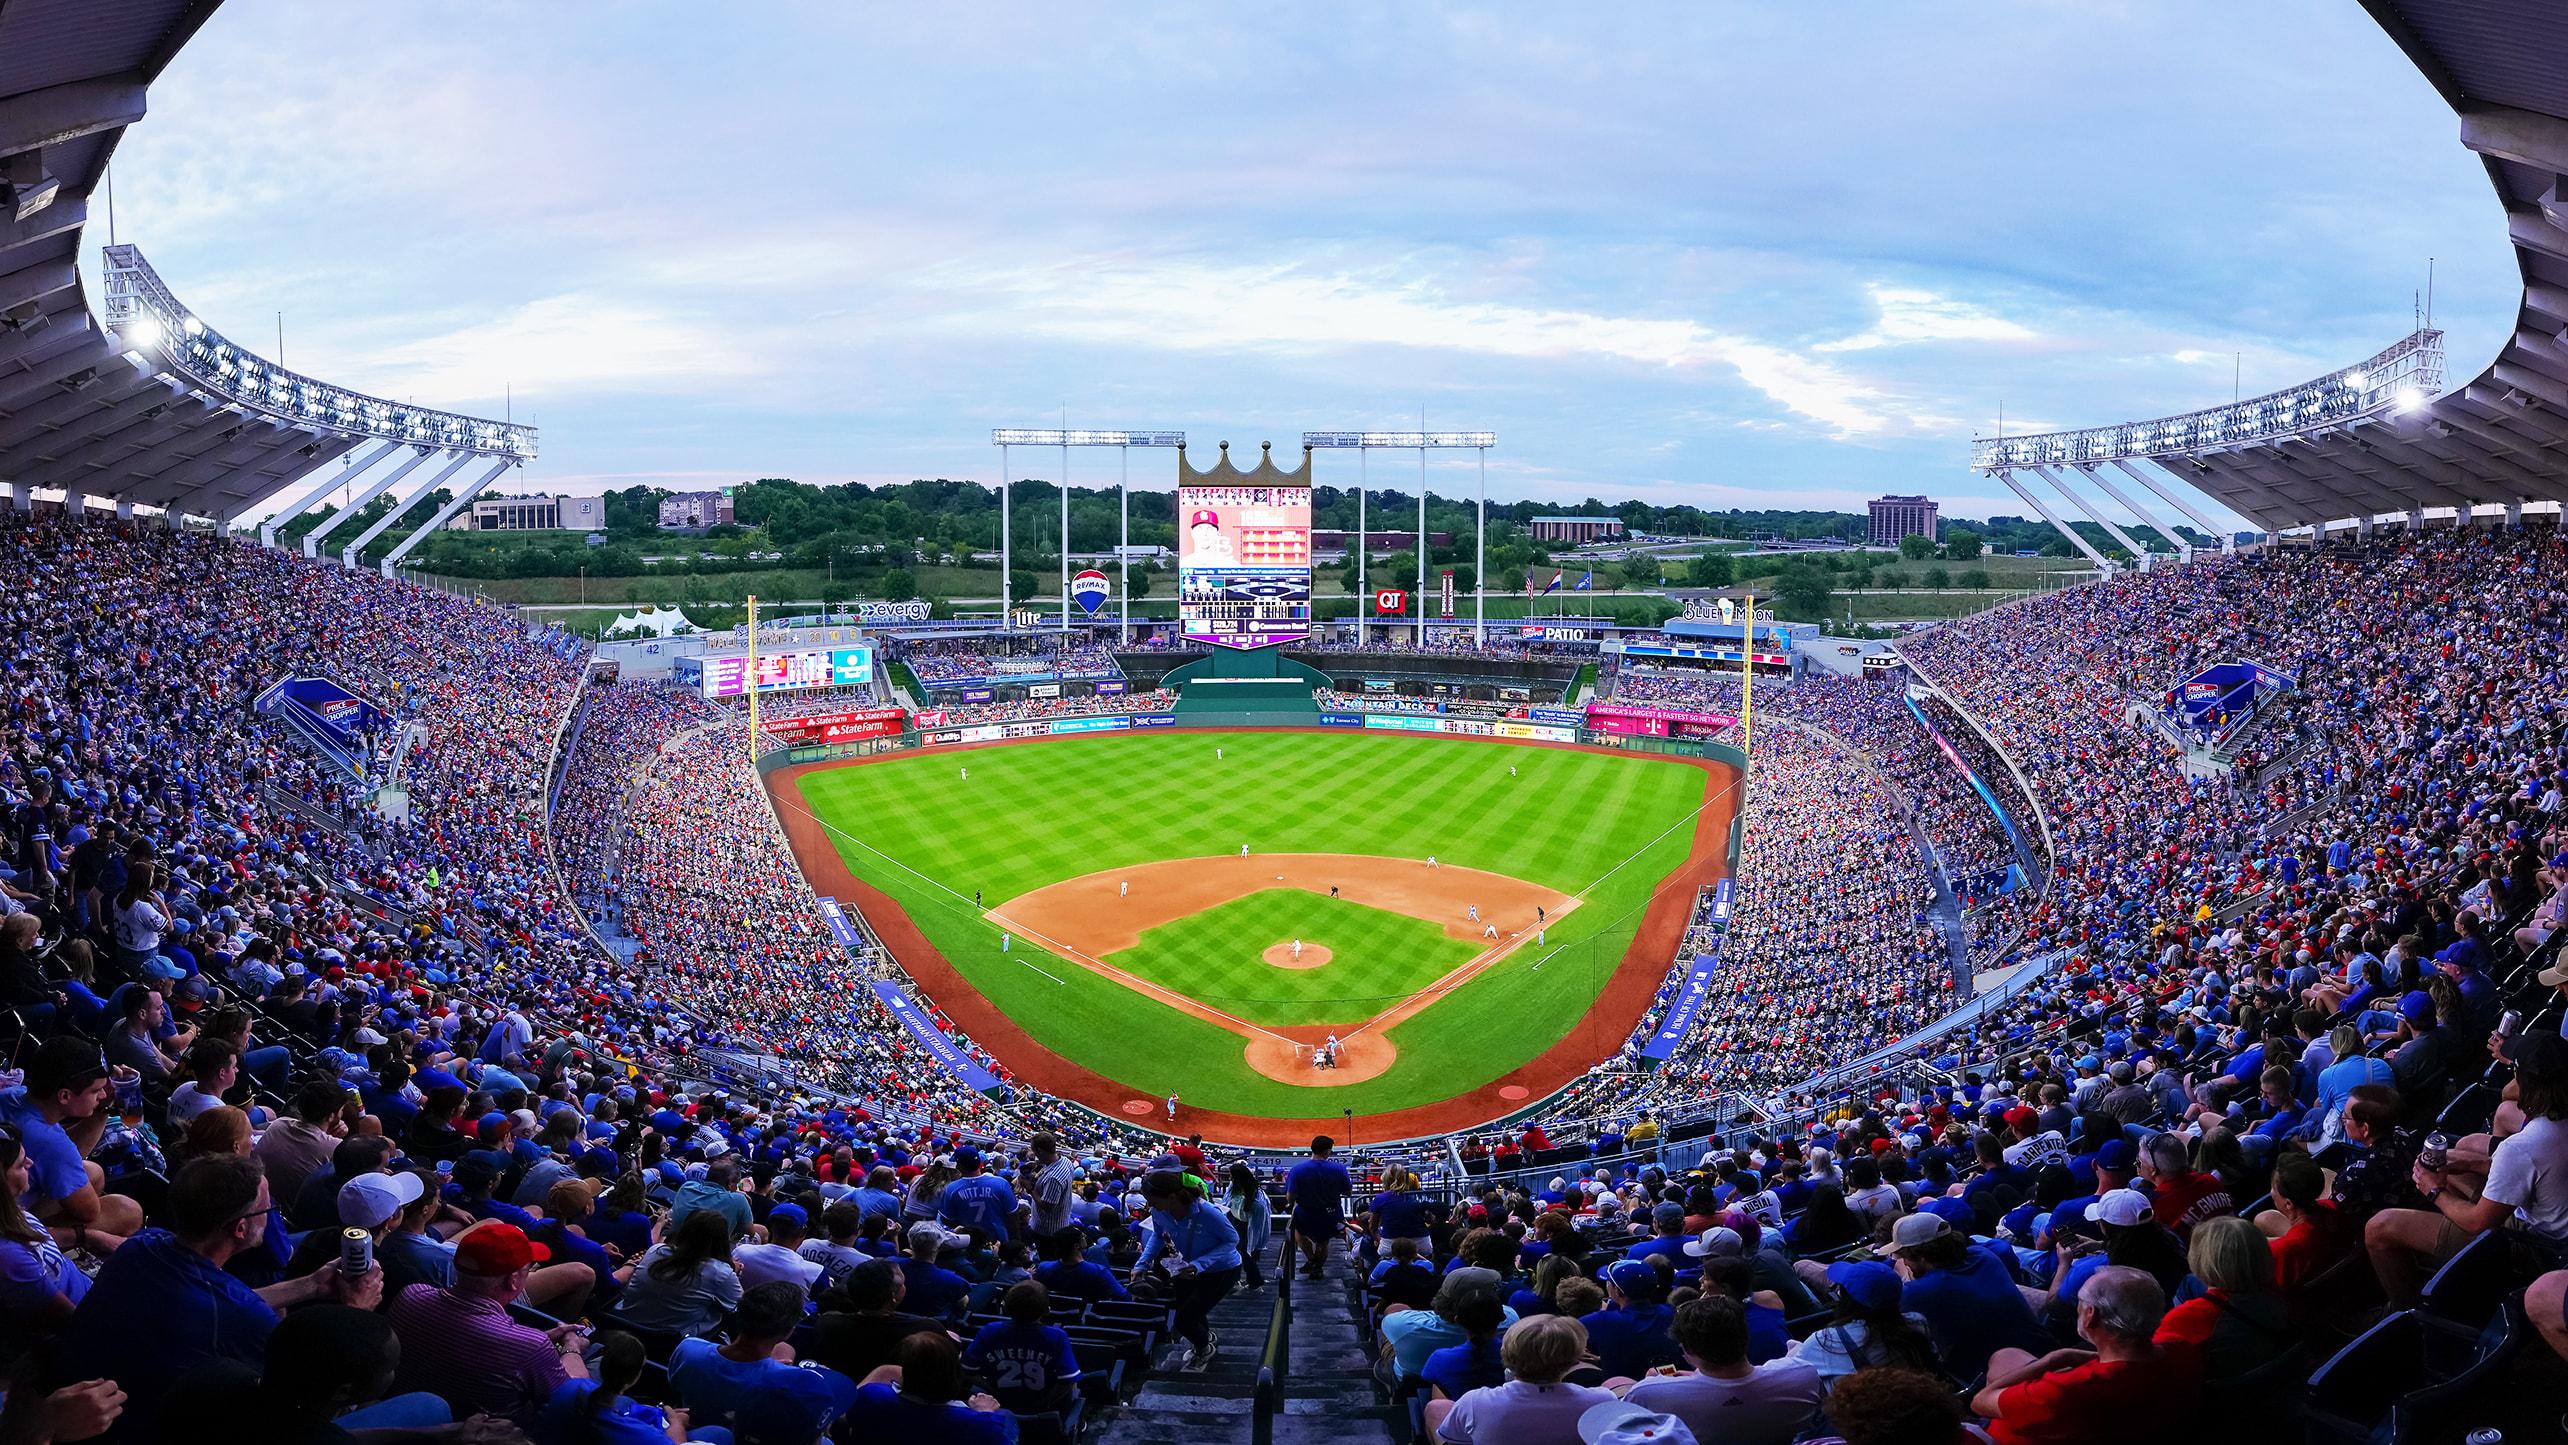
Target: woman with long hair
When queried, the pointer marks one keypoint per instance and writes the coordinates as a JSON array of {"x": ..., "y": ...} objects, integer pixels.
[
  {"x": 686, "y": 1283},
  {"x": 1543, "y": 1298},
  {"x": 138, "y": 918},
  {"x": 920, "y": 1203},
  {"x": 624, "y": 1221},
  {"x": 1205, "y": 1250},
  {"x": 2239, "y": 1322},
  {"x": 1866, "y": 1329},
  {"x": 1252, "y": 1216},
  {"x": 39, "y": 1288}
]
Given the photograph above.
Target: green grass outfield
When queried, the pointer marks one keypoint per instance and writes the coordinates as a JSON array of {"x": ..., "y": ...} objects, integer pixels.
[
  {"x": 1217, "y": 957},
  {"x": 1600, "y": 826}
]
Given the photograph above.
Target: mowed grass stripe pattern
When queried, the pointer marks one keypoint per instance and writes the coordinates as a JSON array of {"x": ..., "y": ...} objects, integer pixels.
[
  {"x": 1036, "y": 813},
  {"x": 1218, "y": 957}
]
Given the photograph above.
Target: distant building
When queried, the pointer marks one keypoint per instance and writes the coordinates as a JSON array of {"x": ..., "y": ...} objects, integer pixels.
[
  {"x": 695, "y": 511},
  {"x": 532, "y": 514},
  {"x": 1577, "y": 531},
  {"x": 1897, "y": 517}
]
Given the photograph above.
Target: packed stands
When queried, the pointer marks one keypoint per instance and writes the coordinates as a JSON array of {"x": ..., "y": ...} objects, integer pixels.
[{"x": 970, "y": 714}]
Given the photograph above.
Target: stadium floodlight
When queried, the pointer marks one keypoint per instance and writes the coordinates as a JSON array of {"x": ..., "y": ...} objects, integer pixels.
[
  {"x": 143, "y": 313},
  {"x": 1004, "y": 437},
  {"x": 1363, "y": 442},
  {"x": 2401, "y": 378}
]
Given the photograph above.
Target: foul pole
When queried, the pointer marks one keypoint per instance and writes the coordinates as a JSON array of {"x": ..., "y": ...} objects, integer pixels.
[{"x": 753, "y": 680}]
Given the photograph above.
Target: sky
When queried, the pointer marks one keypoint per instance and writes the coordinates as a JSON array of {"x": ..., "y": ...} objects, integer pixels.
[{"x": 1736, "y": 255}]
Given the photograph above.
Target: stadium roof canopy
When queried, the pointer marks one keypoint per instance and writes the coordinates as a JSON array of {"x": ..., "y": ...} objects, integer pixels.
[
  {"x": 2383, "y": 437},
  {"x": 144, "y": 404}
]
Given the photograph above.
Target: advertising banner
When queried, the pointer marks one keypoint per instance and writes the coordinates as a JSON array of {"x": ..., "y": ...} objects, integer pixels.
[
  {"x": 839, "y": 928},
  {"x": 1689, "y": 1002},
  {"x": 1026, "y": 730},
  {"x": 1109, "y": 689},
  {"x": 1341, "y": 719},
  {"x": 330, "y": 717},
  {"x": 885, "y": 612},
  {"x": 1401, "y": 722},
  {"x": 1089, "y": 590},
  {"x": 1721, "y": 901},
  {"x": 933, "y": 718},
  {"x": 1655, "y": 722},
  {"x": 1390, "y": 602},
  {"x": 979, "y": 694},
  {"x": 932, "y": 1038},
  {"x": 1044, "y": 689},
  {"x": 1447, "y": 600},
  {"x": 1090, "y": 725},
  {"x": 851, "y": 666},
  {"x": 1155, "y": 720},
  {"x": 1244, "y": 564},
  {"x": 1568, "y": 717},
  {"x": 1534, "y": 731},
  {"x": 837, "y": 727}
]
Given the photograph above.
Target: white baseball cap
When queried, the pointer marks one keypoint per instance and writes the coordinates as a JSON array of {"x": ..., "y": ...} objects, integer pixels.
[
  {"x": 366, "y": 1201},
  {"x": 2123, "y": 1207},
  {"x": 1619, "y": 1422}
]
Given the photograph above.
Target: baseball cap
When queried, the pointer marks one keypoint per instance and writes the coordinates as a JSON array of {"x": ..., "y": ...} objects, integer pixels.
[
  {"x": 2117, "y": 1155},
  {"x": 966, "y": 1154},
  {"x": 2119, "y": 1206},
  {"x": 497, "y": 1249},
  {"x": 477, "y": 1170},
  {"x": 366, "y": 1201},
  {"x": 1913, "y": 1230},
  {"x": 1620, "y": 1422},
  {"x": 1204, "y": 519},
  {"x": 2021, "y": 1114},
  {"x": 1868, "y": 1282},
  {"x": 2417, "y": 1007},
  {"x": 790, "y": 1213},
  {"x": 928, "y": 1231},
  {"x": 1718, "y": 1242},
  {"x": 1633, "y": 1277},
  {"x": 2553, "y": 976}
]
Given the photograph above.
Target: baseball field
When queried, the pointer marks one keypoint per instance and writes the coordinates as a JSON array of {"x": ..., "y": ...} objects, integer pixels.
[{"x": 1086, "y": 902}]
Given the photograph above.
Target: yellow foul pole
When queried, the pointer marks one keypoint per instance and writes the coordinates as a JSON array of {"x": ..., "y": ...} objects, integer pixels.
[
  {"x": 1748, "y": 676},
  {"x": 753, "y": 679}
]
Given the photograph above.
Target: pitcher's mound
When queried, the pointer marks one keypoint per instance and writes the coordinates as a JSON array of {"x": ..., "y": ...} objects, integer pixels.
[{"x": 1281, "y": 955}]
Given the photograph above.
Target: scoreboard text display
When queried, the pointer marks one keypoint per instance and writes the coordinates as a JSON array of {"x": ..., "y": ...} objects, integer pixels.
[
  {"x": 1244, "y": 564},
  {"x": 728, "y": 676}
]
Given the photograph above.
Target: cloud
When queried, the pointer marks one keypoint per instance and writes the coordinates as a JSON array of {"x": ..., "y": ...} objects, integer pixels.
[
  {"x": 566, "y": 345},
  {"x": 1288, "y": 310},
  {"x": 1909, "y": 315}
]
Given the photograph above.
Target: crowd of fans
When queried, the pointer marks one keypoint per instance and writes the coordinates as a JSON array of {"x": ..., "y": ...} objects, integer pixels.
[
  {"x": 934, "y": 662},
  {"x": 1678, "y": 688},
  {"x": 388, "y": 1121}
]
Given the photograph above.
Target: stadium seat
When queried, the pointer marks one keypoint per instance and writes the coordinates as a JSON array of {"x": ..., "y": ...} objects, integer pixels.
[
  {"x": 2442, "y": 1411},
  {"x": 1101, "y": 1371},
  {"x": 2353, "y": 1393},
  {"x": 2463, "y": 1296}
]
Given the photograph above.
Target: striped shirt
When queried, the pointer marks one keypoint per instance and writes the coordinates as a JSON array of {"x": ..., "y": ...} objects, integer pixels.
[{"x": 466, "y": 1349}]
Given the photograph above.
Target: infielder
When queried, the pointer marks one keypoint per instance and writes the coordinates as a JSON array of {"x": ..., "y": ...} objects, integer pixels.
[
  {"x": 1124, "y": 889},
  {"x": 1489, "y": 932},
  {"x": 1243, "y": 850},
  {"x": 1475, "y": 913}
]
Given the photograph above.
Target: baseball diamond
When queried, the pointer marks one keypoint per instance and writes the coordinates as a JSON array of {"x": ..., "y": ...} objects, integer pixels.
[{"x": 1147, "y": 954}]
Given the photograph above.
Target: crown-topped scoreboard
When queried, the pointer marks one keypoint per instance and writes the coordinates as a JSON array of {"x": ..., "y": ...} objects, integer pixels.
[{"x": 1244, "y": 551}]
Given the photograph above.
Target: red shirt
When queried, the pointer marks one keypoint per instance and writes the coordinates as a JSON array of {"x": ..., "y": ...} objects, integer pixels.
[
  {"x": 2097, "y": 1401},
  {"x": 2317, "y": 1242},
  {"x": 2185, "y": 1200}
]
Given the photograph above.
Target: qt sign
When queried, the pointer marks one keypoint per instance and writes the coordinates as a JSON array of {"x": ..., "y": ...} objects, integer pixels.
[{"x": 1390, "y": 602}]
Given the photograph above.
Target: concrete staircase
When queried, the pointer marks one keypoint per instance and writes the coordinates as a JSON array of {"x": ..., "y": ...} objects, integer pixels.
[{"x": 1325, "y": 1385}]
